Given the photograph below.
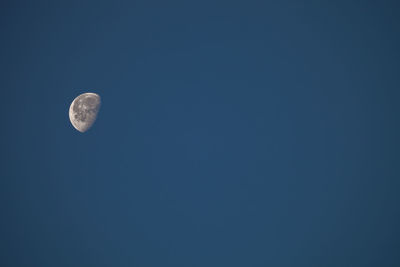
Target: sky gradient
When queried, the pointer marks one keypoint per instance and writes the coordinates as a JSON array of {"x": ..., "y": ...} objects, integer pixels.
[{"x": 231, "y": 133}]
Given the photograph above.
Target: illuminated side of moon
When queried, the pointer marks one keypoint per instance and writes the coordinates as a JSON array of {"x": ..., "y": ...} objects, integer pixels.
[{"x": 83, "y": 111}]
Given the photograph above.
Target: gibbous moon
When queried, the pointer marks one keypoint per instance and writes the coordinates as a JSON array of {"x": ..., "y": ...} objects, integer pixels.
[{"x": 83, "y": 111}]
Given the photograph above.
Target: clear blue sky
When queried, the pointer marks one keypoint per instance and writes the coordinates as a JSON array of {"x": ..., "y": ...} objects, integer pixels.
[{"x": 232, "y": 133}]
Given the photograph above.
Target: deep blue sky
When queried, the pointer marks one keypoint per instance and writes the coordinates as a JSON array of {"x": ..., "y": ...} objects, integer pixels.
[{"x": 251, "y": 133}]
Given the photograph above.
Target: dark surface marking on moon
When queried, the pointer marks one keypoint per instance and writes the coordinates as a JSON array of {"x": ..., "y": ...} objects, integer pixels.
[{"x": 85, "y": 108}]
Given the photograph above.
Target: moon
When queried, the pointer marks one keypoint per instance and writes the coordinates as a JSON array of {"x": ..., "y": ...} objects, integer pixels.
[{"x": 83, "y": 111}]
